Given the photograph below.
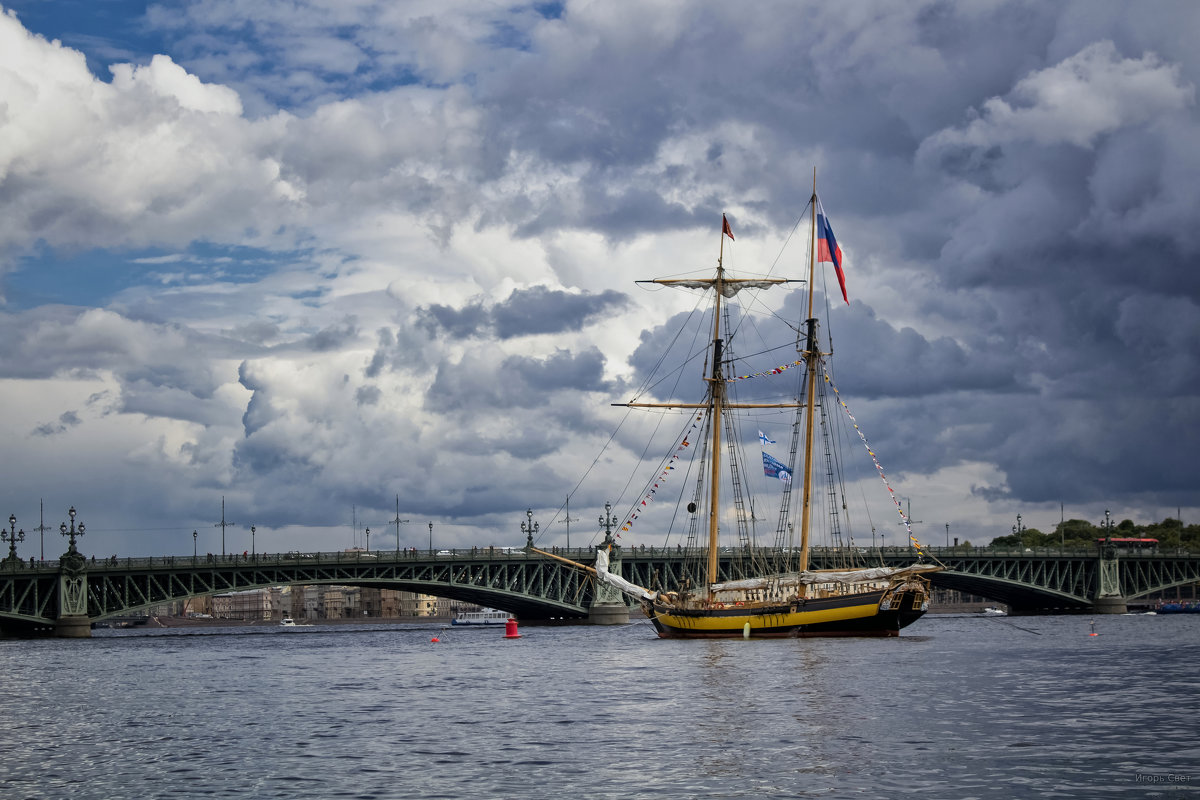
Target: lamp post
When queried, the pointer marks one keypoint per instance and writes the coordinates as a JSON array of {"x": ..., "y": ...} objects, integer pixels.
[
  {"x": 530, "y": 528},
  {"x": 194, "y": 535},
  {"x": 72, "y": 531},
  {"x": 1019, "y": 528},
  {"x": 12, "y": 536},
  {"x": 947, "y": 534},
  {"x": 608, "y": 521},
  {"x": 431, "y": 536},
  {"x": 368, "y": 531},
  {"x": 253, "y": 552}
]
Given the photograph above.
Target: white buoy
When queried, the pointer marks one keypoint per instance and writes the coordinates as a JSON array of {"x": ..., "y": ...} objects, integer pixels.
[{"x": 746, "y": 631}]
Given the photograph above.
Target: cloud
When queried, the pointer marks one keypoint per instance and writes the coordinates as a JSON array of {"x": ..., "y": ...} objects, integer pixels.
[
  {"x": 313, "y": 255},
  {"x": 481, "y": 381},
  {"x": 154, "y": 157},
  {"x": 65, "y": 421},
  {"x": 525, "y": 312},
  {"x": 1077, "y": 101}
]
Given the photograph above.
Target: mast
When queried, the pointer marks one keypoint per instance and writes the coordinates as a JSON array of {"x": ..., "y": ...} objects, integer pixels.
[
  {"x": 811, "y": 354},
  {"x": 716, "y": 403},
  {"x": 718, "y": 395}
]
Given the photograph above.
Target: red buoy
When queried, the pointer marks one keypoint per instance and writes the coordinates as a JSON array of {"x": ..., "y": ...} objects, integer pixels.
[
  {"x": 510, "y": 629},
  {"x": 435, "y": 639}
]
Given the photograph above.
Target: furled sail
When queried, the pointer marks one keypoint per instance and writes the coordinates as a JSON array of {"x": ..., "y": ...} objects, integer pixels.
[
  {"x": 616, "y": 580},
  {"x": 729, "y": 286}
]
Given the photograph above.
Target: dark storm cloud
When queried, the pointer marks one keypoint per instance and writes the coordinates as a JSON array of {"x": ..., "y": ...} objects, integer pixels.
[
  {"x": 525, "y": 312},
  {"x": 66, "y": 420},
  {"x": 479, "y": 383}
]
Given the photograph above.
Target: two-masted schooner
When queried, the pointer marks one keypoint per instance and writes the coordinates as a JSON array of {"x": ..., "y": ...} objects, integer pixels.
[{"x": 783, "y": 598}]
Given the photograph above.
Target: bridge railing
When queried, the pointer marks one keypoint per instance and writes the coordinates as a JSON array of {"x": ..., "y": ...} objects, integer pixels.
[{"x": 583, "y": 554}]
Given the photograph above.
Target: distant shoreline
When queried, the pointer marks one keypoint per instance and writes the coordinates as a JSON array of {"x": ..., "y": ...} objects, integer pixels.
[{"x": 213, "y": 622}]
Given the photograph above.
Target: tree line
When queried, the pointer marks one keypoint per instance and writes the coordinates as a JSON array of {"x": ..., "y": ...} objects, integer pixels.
[{"x": 1170, "y": 533}]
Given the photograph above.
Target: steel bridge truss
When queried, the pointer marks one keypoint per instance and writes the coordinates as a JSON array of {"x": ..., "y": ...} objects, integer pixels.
[
  {"x": 536, "y": 588},
  {"x": 532, "y": 588}
]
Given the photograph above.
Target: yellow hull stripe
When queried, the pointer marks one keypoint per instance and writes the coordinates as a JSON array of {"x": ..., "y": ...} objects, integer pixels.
[{"x": 737, "y": 622}]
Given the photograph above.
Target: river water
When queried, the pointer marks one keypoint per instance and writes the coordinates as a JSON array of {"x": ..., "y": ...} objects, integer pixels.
[{"x": 956, "y": 707}]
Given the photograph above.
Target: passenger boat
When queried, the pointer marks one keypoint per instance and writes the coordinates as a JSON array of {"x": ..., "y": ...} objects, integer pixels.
[
  {"x": 288, "y": 622},
  {"x": 485, "y": 616},
  {"x": 768, "y": 590}
]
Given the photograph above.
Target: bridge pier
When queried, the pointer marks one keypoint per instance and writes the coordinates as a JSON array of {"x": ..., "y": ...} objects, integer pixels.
[
  {"x": 73, "y": 626},
  {"x": 608, "y": 614},
  {"x": 1110, "y": 599},
  {"x": 1109, "y": 605},
  {"x": 608, "y": 606},
  {"x": 72, "y": 622}
]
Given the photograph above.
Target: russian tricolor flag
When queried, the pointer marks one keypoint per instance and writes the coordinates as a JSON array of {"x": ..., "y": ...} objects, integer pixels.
[{"x": 828, "y": 249}]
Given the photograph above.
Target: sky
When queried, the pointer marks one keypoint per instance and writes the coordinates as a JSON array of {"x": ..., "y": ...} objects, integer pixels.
[{"x": 340, "y": 262}]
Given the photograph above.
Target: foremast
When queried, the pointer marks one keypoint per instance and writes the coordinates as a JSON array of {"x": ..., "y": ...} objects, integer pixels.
[{"x": 717, "y": 403}]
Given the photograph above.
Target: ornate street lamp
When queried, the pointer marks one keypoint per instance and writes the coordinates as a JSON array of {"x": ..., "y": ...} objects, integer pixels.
[
  {"x": 253, "y": 552},
  {"x": 194, "y": 535},
  {"x": 12, "y": 536},
  {"x": 530, "y": 528},
  {"x": 431, "y": 536},
  {"x": 368, "y": 531},
  {"x": 72, "y": 531},
  {"x": 608, "y": 521},
  {"x": 1018, "y": 529}
]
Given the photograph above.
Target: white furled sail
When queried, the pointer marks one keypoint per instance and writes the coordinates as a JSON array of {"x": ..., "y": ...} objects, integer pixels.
[{"x": 617, "y": 581}]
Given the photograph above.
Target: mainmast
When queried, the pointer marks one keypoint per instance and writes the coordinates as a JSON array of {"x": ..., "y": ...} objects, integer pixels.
[{"x": 810, "y": 354}]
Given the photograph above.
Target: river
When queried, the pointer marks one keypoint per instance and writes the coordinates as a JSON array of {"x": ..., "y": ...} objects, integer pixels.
[{"x": 956, "y": 707}]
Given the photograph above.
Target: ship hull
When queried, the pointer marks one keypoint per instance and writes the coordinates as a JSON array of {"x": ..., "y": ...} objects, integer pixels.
[{"x": 850, "y": 615}]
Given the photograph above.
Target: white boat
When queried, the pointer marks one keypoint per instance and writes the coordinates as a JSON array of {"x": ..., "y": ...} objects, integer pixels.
[
  {"x": 992, "y": 611},
  {"x": 485, "y": 616},
  {"x": 288, "y": 622}
]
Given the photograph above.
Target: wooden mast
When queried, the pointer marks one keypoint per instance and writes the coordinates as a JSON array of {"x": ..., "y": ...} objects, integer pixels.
[
  {"x": 717, "y": 394},
  {"x": 716, "y": 403},
  {"x": 811, "y": 354}
]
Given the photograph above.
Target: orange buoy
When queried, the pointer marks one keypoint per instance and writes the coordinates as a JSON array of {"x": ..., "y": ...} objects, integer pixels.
[
  {"x": 510, "y": 629},
  {"x": 435, "y": 639}
]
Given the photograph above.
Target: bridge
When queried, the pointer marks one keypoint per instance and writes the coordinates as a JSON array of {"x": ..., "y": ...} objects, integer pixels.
[{"x": 65, "y": 597}]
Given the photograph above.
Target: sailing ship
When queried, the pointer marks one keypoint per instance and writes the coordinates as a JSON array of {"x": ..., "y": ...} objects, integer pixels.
[{"x": 767, "y": 591}]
